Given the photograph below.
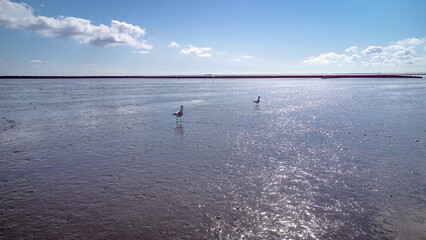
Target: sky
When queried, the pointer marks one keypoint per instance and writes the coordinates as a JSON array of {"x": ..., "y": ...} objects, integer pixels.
[{"x": 163, "y": 37}]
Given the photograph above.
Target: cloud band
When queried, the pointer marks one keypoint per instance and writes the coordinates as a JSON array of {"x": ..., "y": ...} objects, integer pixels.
[{"x": 396, "y": 54}]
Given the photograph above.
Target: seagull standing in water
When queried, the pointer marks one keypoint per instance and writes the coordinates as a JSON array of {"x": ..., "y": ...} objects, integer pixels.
[
  {"x": 179, "y": 114},
  {"x": 258, "y": 100}
]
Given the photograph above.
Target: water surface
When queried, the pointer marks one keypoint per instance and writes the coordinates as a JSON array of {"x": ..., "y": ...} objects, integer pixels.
[{"x": 316, "y": 159}]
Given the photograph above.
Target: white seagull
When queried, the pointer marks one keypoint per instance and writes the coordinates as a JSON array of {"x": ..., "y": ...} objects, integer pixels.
[
  {"x": 258, "y": 100},
  {"x": 179, "y": 113}
]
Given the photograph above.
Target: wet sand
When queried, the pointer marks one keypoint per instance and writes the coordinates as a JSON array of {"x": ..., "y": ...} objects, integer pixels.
[{"x": 316, "y": 159}]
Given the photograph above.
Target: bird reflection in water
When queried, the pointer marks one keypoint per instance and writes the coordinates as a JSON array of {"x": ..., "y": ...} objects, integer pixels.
[
  {"x": 179, "y": 129},
  {"x": 257, "y": 108}
]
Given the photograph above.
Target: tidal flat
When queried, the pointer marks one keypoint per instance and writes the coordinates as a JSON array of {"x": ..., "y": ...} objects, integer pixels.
[{"x": 315, "y": 159}]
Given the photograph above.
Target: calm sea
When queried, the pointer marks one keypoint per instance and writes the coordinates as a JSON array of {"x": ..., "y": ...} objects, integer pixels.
[{"x": 316, "y": 159}]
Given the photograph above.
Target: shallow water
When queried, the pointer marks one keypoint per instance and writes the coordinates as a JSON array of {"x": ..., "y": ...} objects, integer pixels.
[{"x": 316, "y": 159}]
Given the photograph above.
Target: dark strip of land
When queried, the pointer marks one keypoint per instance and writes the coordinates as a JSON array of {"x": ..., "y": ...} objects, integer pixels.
[{"x": 225, "y": 76}]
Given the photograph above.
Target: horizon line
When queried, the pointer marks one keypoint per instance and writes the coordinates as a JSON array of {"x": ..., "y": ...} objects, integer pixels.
[{"x": 323, "y": 76}]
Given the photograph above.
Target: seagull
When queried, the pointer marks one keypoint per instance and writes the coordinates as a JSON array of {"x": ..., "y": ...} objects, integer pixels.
[
  {"x": 179, "y": 113},
  {"x": 258, "y": 100}
]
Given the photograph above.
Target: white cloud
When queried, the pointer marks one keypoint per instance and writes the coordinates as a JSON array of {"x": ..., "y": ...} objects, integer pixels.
[
  {"x": 173, "y": 45},
  {"x": 21, "y": 16},
  {"x": 351, "y": 49},
  {"x": 354, "y": 57},
  {"x": 200, "y": 52},
  {"x": 407, "y": 52},
  {"x": 331, "y": 57},
  {"x": 377, "y": 60},
  {"x": 36, "y": 61},
  {"x": 205, "y": 55},
  {"x": 241, "y": 58},
  {"x": 395, "y": 48},
  {"x": 143, "y": 52},
  {"x": 372, "y": 50},
  {"x": 410, "y": 41}
]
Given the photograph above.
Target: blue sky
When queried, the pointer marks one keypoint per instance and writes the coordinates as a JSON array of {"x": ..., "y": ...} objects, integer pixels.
[{"x": 101, "y": 37}]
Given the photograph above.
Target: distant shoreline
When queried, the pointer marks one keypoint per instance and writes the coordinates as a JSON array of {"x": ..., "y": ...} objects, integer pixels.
[{"x": 322, "y": 76}]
